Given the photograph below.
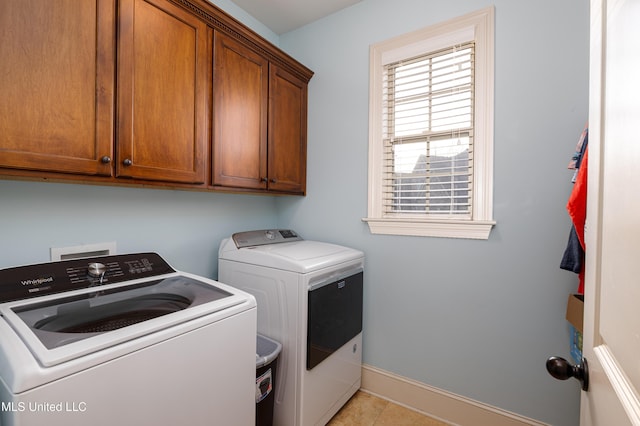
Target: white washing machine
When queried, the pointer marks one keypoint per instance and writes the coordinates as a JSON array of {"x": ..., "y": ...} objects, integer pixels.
[
  {"x": 309, "y": 297},
  {"x": 124, "y": 340}
]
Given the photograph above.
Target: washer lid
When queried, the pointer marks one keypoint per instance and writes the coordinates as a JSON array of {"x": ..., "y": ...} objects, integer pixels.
[
  {"x": 298, "y": 256},
  {"x": 62, "y": 327}
]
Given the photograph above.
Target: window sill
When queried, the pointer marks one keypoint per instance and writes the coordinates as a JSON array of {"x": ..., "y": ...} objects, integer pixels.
[{"x": 470, "y": 229}]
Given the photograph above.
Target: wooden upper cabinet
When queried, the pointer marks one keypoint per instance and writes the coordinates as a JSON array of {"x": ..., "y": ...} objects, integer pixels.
[
  {"x": 57, "y": 85},
  {"x": 240, "y": 93},
  {"x": 287, "y": 131},
  {"x": 260, "y": 121},
  {"x": 163, "y": 87},
  {"x": 155, "y": 92}
]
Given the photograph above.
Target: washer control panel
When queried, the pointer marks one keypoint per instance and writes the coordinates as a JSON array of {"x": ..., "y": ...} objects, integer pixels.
[
  {"x": 24, "y": 282},
  {"x": 264, "y": 236}
]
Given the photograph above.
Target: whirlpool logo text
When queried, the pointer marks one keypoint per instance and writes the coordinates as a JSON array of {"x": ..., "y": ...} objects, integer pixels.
[{"x": 38, "y": 281}]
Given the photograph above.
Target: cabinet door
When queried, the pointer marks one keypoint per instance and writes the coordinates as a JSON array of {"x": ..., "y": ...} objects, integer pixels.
[
  {"x": 162, "y": 92},
  {"x": 287, "y": 132},
  {"x": 240, "y": 93},
  {"x": 57, "y": 85}
]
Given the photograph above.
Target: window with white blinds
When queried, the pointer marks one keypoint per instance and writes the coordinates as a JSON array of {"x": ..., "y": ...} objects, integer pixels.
[
  {"x": 428, "y": 133},
  {"x": 431, "y": 130}
]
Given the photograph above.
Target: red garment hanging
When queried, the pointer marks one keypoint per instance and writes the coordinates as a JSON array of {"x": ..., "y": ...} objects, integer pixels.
[{"x": 577, "y": 208}]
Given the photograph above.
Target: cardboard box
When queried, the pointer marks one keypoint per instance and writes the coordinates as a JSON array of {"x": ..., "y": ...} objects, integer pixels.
[
  {"x": 575, "y": 310},
  {"x": 575, "y": 313}
]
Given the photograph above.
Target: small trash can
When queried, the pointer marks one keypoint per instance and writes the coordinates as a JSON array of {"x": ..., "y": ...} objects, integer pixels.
[{"x": 267, "y": 352}]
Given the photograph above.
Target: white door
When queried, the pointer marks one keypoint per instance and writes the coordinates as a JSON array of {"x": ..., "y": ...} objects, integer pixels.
[{"x": 612, "y": 288}]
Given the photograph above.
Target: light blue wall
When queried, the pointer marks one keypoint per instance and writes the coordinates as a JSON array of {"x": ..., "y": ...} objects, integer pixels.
[
  {"x": 477, "y": 318},
  {"x": 185, "y": 227}
]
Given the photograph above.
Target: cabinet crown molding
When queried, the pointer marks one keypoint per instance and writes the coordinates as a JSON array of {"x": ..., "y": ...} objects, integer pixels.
[{"x": 222, "y": 21}]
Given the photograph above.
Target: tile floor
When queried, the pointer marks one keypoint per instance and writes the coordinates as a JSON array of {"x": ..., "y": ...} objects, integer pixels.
[{"x": 364, "y": 409}]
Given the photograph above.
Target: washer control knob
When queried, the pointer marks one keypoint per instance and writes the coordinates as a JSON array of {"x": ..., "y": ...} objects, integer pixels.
[
  {"x": 96, "y": 269},
  {"x": 270, "y": 235}
]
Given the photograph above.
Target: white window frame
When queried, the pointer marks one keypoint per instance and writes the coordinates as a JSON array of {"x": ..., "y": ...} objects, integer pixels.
[{"x": 479, "y": 28}]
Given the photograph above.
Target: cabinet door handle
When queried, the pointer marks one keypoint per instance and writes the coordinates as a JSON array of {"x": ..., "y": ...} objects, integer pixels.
[
  {"x": 127, "y": 162},
  {"x": 105, "y": 160},
  {"x": 264, "y": 179},
  {"x": 273, "y": 181}
]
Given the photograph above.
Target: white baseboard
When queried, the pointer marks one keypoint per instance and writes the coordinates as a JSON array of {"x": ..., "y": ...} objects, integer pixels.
[{"x": 445, "y": 406}]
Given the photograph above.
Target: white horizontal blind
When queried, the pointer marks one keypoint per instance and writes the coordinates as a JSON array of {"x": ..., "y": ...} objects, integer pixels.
[{"x": 428, "y": 134}]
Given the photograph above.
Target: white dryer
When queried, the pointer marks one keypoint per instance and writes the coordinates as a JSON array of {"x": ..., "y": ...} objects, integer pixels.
[
  {"x": 124, "y": 340},
  {"x": 309, "y": 297}
]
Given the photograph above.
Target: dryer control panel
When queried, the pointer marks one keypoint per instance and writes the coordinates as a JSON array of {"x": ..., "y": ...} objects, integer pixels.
[
  {"x": 24, "y": 282},
  {"x": 265, "y": 236}
]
